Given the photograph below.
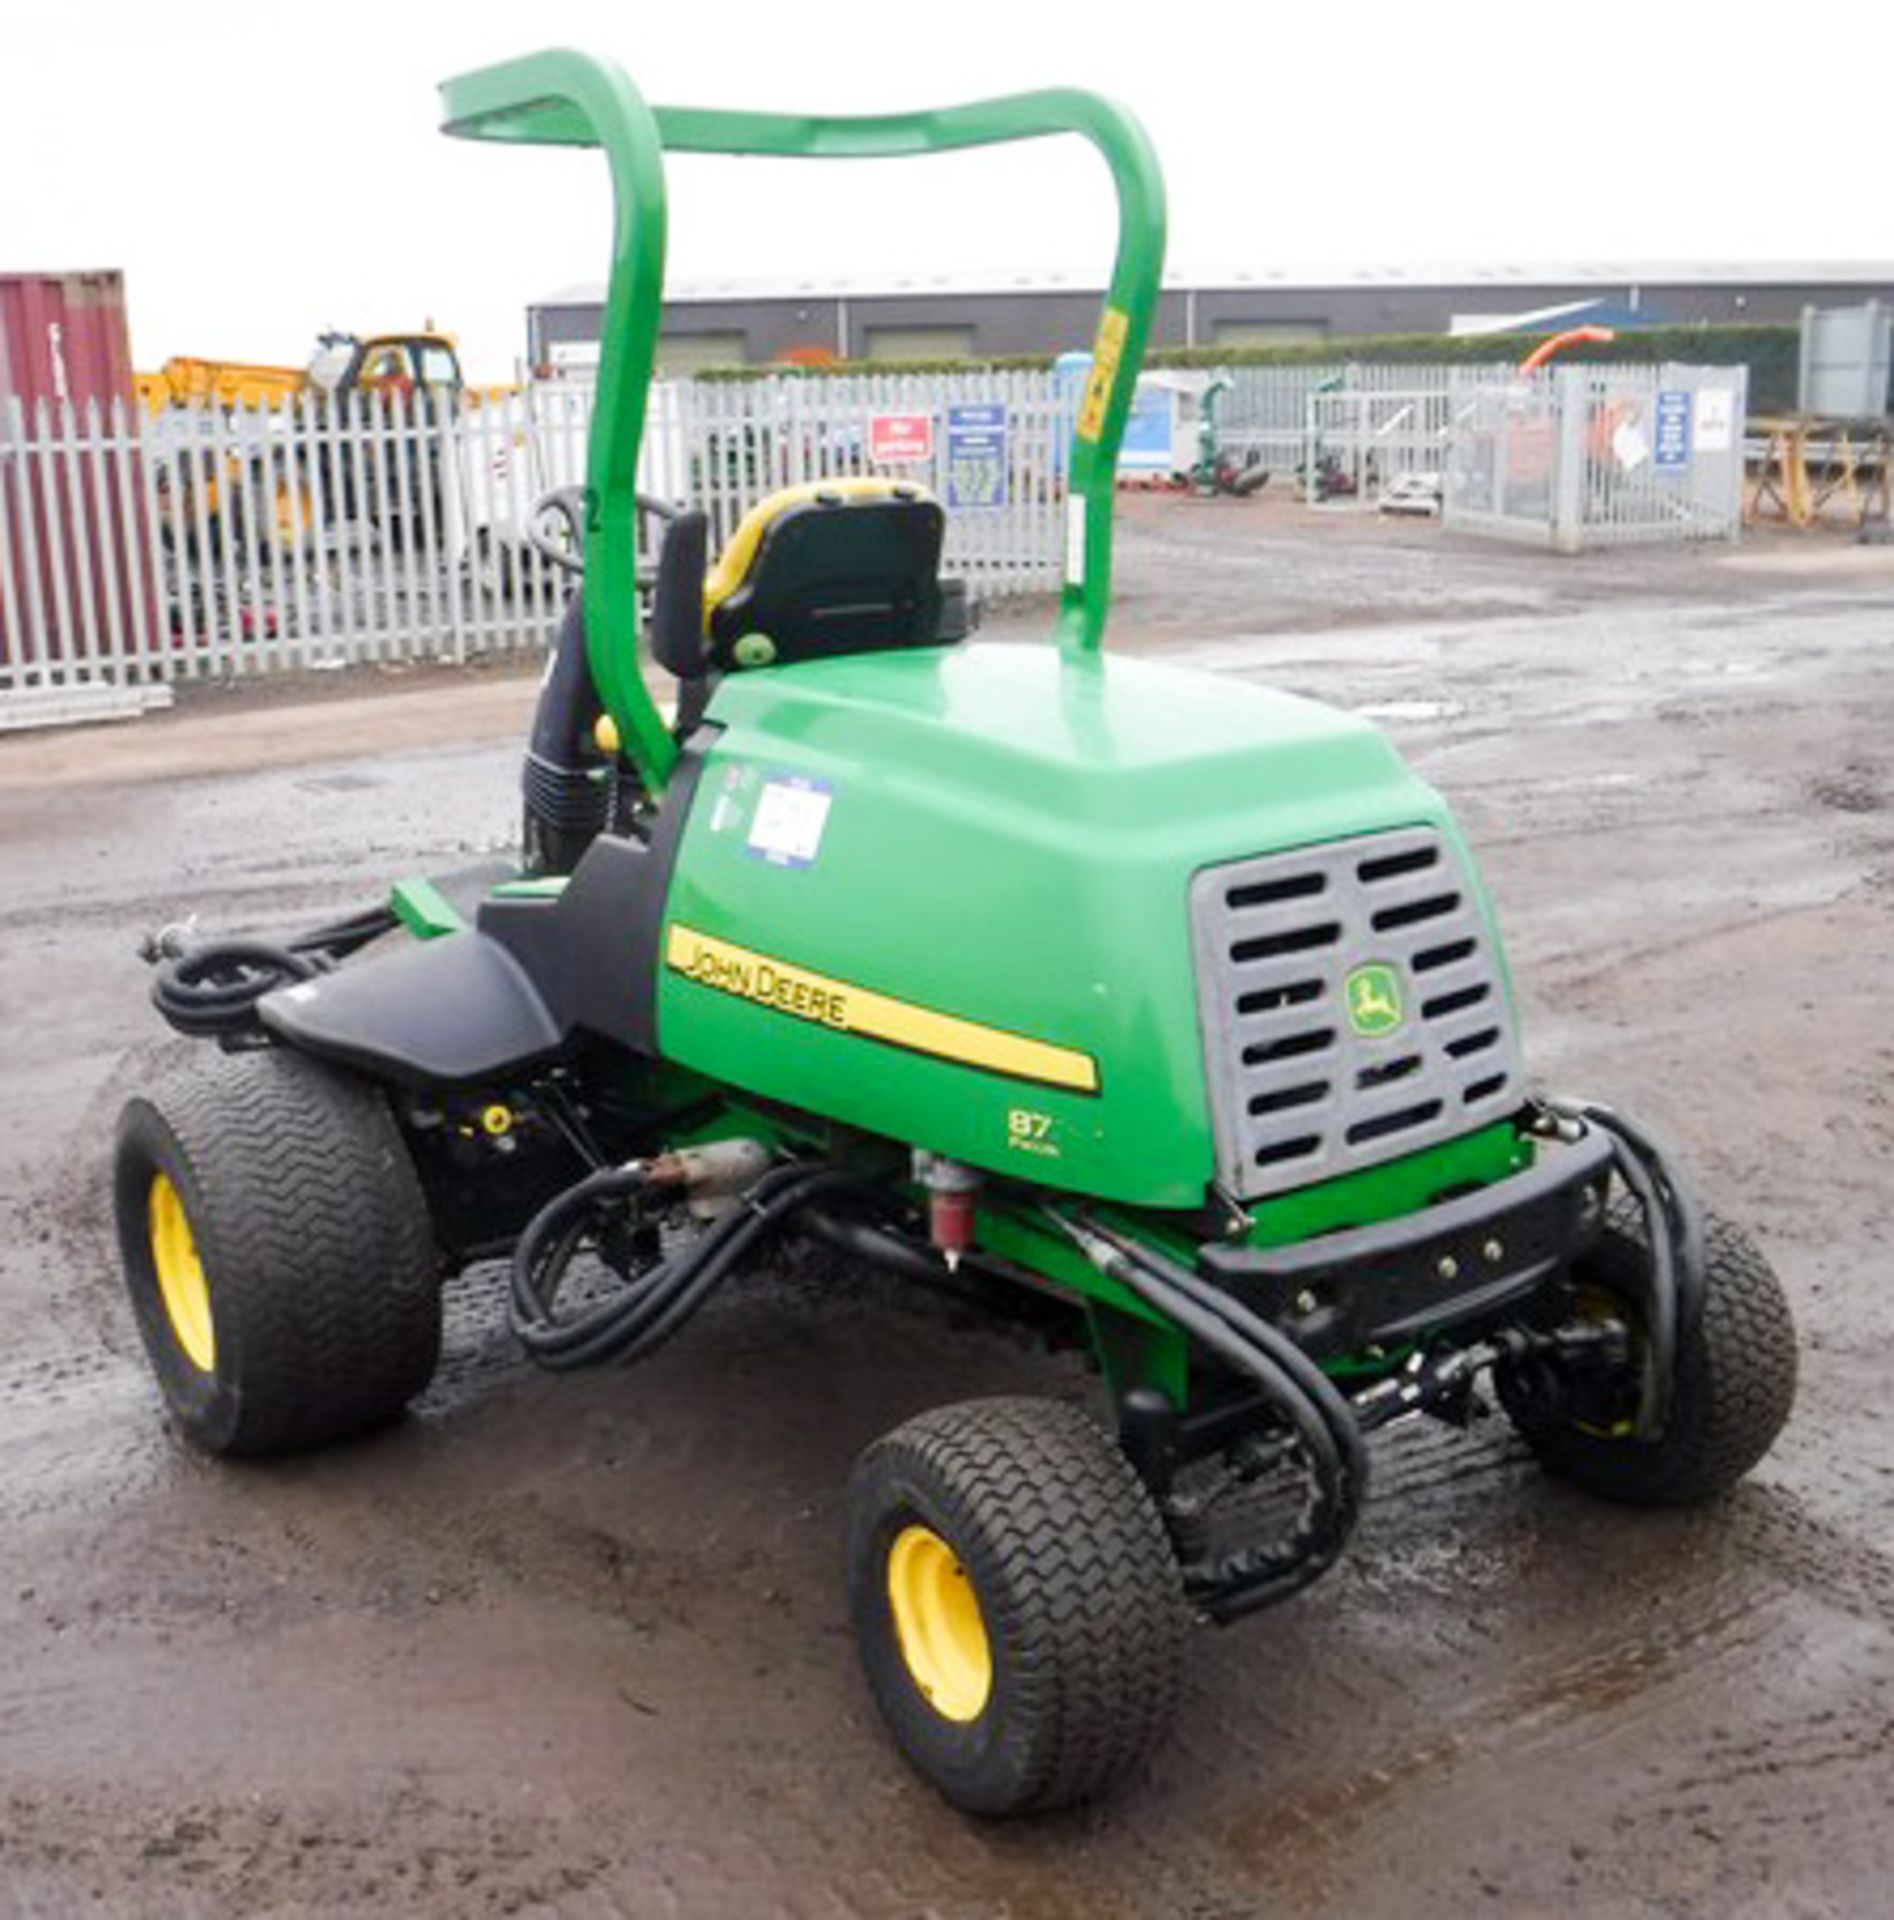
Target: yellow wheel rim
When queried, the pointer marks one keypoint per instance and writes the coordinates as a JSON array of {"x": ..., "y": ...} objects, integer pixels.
[
  {"x": 938, "y": 1625},
  {"x": 181, "y": 1284},
  {"x": 1595, "y": 1306}
]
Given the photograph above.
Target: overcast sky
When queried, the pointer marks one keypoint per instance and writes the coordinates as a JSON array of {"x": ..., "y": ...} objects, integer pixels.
[{"x": 262, "y": 170}]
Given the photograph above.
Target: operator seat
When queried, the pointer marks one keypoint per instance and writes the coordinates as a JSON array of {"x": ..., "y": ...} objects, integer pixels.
[
  {"x": 835, "y": 567},
  {"x": 814, "y": 571}
]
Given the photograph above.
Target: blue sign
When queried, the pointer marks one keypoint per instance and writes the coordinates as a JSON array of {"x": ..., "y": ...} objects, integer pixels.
[
  {"x": 976, "y": 455},
  {"x": 1673, "y": 429}
]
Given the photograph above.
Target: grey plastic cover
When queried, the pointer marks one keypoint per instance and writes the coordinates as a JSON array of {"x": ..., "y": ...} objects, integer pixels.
[{"x": 1353, "y": 1008}]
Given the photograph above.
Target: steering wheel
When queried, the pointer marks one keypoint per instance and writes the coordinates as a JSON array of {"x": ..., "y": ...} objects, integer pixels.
[{"x": 564, "y": 545}]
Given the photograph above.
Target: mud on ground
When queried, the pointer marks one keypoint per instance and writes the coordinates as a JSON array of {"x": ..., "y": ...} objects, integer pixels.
[{"x": 576, "y": 1646}]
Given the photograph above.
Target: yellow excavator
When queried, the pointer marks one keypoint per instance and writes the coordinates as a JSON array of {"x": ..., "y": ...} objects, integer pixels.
[
  {"x": 343, "y": 363},
  {"x": 207, "y": 500}
]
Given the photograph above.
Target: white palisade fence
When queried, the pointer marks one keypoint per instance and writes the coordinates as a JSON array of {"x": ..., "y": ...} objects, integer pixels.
[
  {"x": 991, "y": 446},
  {"x": 136, "y": 551}
]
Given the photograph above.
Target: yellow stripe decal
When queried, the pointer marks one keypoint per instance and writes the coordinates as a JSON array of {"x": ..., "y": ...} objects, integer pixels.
[{"x": 851, "y": 1009}]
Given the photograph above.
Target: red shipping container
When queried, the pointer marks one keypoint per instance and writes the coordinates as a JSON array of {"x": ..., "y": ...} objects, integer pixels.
[
  {"x": 75, "y": 600},
  {"x": 63, "y": 337}
]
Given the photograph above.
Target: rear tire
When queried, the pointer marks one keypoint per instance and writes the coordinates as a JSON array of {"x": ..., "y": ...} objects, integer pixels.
[
  {"x": 1016, "y": 1602},
  {"x": 1735, "y": 1378},
  {"x": 278, "y": 1252}
]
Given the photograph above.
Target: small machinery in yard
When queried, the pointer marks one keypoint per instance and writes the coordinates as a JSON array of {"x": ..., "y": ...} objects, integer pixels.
[
  {"x": 1160, "y": 1012},
  {"x": 261, "y": 489},
  {"x": 343, "y": 364}
]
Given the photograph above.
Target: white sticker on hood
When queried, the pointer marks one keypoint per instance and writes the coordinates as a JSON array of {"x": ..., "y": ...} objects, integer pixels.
[{"x": 791, "y": 814}]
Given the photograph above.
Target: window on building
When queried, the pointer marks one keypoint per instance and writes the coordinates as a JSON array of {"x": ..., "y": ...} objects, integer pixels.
[
  {"x": 680, "y": 353},
  {"x": 920, "y": 343}
]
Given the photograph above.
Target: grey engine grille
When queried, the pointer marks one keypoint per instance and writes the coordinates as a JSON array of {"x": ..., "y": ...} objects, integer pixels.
[{"x": 1296, "y": 1092}]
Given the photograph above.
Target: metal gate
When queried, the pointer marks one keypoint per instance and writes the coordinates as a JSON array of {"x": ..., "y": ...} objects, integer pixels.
[
  {"x": 1263, "y": 414},
  {"x": 1598, "y": 456},
  {"x": 1364, "y": 449}
]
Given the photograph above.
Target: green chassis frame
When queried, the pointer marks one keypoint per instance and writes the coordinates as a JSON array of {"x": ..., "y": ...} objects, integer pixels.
[{"x": 572, "y": 99}]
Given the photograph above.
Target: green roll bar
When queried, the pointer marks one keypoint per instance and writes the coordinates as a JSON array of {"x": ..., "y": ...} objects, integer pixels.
[{"x": 572, "y": 99}]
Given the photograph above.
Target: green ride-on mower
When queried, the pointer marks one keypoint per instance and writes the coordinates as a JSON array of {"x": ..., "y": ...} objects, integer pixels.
[{"x": 1153, "y": 1011}]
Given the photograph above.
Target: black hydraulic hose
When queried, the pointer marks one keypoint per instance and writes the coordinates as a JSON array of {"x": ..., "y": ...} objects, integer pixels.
[
  {"x": 1681, "y": 1207},
  {"x": 1328, "y": 1399},
  {"x": 544, "y": 1252},
  {"x": 1290, "y": 1381},
  {"x": 1243, "y": 1583},
  {"x": 564, "y": 1215},
  {"x": 1673, "y": 1224},
  {"x": 886, "y": 1246},
  {"x": 643, "y": 1314},
  {"x": 639, "y": 1320},
  {"x": 342, "y": 937},
  {"x": 212, "y": 990},
  {"x": 874, "y": 1244},
  {"x": 1660, "y": 1297}
]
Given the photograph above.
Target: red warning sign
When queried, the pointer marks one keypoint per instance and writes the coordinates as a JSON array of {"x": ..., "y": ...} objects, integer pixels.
[{"x": 900, "y": 439}]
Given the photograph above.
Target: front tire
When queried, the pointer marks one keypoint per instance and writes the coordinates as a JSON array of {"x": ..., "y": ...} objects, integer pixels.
[
  {"x": 1734, "y": 1385},
  {"x": 1016, "y": 1603},
  {"x": 278, "y": 1252}
]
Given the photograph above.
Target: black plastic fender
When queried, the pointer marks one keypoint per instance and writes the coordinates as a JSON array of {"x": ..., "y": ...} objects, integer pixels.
[
  {"x": 515, "y": 988},
  {"x": 454, "y": 1009}
]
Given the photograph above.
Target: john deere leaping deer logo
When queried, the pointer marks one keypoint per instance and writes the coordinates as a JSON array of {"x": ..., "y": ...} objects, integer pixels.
[{"x": 1373, "y": 994}]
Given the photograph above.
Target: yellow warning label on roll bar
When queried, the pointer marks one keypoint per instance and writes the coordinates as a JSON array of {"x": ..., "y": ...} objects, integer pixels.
[{"x": 1107, "y": 351}]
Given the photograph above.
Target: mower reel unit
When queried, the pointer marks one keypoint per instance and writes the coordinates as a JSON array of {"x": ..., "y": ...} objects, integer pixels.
[{"x": 1159, "y": 1013}]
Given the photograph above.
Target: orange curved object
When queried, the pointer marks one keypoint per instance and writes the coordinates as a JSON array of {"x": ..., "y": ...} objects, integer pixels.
[{"x": 1571, "y": 337}]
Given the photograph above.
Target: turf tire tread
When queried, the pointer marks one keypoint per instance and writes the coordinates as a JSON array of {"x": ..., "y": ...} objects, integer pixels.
[
  {"x": 315, "y": 1233},
  {"x": 1736, "y": 1375},
  {"x": 1078, "y": 1579}
]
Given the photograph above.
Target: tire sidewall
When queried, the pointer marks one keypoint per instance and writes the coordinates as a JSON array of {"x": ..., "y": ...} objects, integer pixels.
[
  {"x": 207, "y": 1405},
  {"x": 1670, "y": 1469},
  {"x": 980, "y": 1763}
]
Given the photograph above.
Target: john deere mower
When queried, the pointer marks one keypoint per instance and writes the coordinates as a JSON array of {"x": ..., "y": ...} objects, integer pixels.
[{"x": 1159, "y": 1013}]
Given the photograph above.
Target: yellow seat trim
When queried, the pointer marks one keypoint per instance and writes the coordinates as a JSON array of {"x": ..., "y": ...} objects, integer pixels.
[{"x": 739, "y": 552}]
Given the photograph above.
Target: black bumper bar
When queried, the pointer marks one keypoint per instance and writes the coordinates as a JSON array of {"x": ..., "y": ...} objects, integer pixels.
[{"x": 1451, "y": 1267}]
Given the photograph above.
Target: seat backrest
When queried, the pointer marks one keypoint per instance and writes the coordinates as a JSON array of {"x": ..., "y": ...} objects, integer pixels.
[{"x": 832, "y": 567}]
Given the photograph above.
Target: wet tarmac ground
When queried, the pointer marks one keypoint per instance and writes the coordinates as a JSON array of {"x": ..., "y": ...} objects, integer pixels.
[{"x": 577, "y": 1646}]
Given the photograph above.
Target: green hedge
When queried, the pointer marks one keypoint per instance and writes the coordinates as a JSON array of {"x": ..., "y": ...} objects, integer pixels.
[
  {"x": 1770, "y": 353},
  {"x": 854, "y": 369}
]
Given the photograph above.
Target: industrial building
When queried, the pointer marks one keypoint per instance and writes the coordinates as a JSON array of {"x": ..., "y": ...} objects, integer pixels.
[{"x": 949, "y": 317}]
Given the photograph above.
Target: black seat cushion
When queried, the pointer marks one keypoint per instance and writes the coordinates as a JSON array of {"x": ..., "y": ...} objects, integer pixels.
[{"x": 839, "y": 574}]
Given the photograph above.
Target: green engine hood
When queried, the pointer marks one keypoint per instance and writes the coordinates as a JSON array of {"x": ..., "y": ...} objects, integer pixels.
[{"x": 943, "y": 895}]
